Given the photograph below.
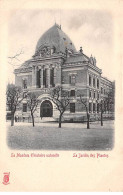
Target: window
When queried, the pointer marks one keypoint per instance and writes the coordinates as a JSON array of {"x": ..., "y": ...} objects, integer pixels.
[
  {"x": 52, "y": 77},
  {"x": 24, "y": 83},
  {"x": 89, "y": 80},
  {"x": 98, "y": 107},
  {"x": 72, "y": 107},
  {"x": 90, "y": 94},
  {"x": 53, "y": 50},
  {"x": 94, "y": 95},
  {"x": 93, "y": 82},
  {"x": 38, "y": 78},
  {"x": 89, "y": 107},
  {"x": 101, "y": 90},
  {"x": 98, "y": 96},
  {"x": 24, "y": 107},
  {"x": 24, "y": 94},
  {"x": 98, "y": 83},
  {"x": 72, "y": 79},
  {"x": 93, "y": 107},
  {"x": 44, "y": 77},
  {"x": 72, "y": 93},
  {"x": 104, "y": 91}
]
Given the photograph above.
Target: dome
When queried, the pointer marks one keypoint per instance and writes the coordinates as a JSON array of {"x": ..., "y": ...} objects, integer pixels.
[{"x": 56, "y": 38}]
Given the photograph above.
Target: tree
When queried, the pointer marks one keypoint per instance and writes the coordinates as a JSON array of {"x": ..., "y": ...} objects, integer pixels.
[
  {"x": 61, "y": 100},
  {"x": 106, "y": 104},
  {"x": 14, "y": 97},
  {"x": 102, "y": 106},
  {"x": 83, "y": 101},
  {"x": 109, "y": 100},
  {"x": 32, "y": 103}
]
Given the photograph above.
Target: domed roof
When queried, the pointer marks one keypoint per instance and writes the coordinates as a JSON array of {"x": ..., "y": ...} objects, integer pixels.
[{"x": 55, "y": 37}]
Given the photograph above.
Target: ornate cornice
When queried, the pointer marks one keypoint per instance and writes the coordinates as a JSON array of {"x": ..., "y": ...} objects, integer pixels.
[{"x": 23, "y": 70}]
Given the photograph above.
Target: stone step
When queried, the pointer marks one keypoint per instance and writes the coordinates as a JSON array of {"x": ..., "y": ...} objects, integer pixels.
[{"x": 45, "y": 119}]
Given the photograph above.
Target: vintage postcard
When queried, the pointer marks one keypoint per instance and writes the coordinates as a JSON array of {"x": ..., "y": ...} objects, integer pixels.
[{"x": 61, "y": 95}]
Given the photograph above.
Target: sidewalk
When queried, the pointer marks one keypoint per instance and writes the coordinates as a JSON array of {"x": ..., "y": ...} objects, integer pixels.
[{"x": 93, "y": 125}]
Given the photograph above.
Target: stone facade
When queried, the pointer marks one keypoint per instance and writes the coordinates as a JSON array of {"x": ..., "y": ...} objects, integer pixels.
[{"x": 56, "y": 62}]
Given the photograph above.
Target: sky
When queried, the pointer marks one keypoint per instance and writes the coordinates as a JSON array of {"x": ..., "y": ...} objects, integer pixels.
[{"x": 91, "y": 29}]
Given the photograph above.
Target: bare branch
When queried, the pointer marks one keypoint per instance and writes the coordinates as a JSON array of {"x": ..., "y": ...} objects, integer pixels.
[
  {"x": 16, "y": 55},
  {"x": 60, "y": 98}
]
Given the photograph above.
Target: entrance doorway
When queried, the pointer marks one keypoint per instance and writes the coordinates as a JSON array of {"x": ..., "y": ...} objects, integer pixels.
[{"x": 46, "y": 109}]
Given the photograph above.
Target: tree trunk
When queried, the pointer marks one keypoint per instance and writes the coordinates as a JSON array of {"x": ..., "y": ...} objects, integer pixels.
[
  {"x": 101, "y": 118},
  {"x": 32, "y": 120},
  {"x": 60, "y": 117},
  {"x": 12, "y": 119},
  {"x": 88, "y": 124}
]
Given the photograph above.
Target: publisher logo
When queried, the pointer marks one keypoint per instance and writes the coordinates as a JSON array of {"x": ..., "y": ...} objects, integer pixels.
[{"x": 6, "y": 178}]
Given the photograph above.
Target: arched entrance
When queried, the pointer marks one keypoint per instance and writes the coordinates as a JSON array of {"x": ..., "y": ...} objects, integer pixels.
[{"x": 46, "y": 109}]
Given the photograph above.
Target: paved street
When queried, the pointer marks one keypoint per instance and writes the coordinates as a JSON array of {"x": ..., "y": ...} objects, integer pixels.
[{"x": 72, "y": 136}]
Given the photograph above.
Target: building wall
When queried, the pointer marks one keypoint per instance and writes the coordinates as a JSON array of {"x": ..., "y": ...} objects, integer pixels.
[
  {"x": 80, "y": 76},
  {"x": 81, "y": 86},
  {"x": 20, "y": 77}
]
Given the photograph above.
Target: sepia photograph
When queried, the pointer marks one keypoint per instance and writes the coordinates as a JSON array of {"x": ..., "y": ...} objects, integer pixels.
[
  {"x": 61, "y": 96},
  {"x": 60, "y": 91}
]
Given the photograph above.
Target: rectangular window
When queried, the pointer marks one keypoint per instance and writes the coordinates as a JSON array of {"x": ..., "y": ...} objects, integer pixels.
[
  {"x": 89, "y": 80},
  {"x": 101, "y": 90},
  {"x": 38, "y": 78},
  {"x": 93, "y": 82},
  {"x": 25, "y": 107},
  {"x": 93, "y": 107},
  {"x": 98, "y": 107},
  {"x": 52, "y": 77},
  {"x": 72, "y": 79},
  {"x": 72, "y": 107},
  {"x": 89, "y": 107},
  {"x": 98, "y": 83},
  {"x": 72, "y": 93},
  {"x": 24, "y": 83},
  {"x": 24, "y": 94},
  {"x": 90, "y": 94},
  {"x": 94, "y": 95},
  {"x": 44, "y": 77},
  {"x": 98, "y": 96}
]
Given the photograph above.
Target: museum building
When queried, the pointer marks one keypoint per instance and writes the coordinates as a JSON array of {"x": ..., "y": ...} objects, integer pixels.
[{"x": 56, "y": 62}]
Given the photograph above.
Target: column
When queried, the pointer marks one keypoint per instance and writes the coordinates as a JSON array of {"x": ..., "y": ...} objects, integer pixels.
[
  {"x": 41, "y": 77},
  {"x": 33, "y": 76},
  {"x": 88, "y": 78},
  {"x": 35, "y": 84},
  {"x": 59, "y": 75}
]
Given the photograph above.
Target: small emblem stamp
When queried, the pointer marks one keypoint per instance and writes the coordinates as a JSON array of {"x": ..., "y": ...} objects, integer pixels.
[{"x": 6, "y": 178}]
